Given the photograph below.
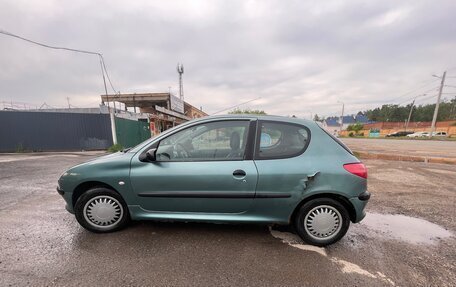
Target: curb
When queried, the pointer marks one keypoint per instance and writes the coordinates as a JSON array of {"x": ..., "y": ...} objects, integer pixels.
[
  {"x": 45, "y": 153},
  {"x": 394, "y": 157}
]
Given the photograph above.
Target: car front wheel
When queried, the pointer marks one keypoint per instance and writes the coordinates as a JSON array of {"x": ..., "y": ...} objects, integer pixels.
[
  {"x": 322, "y": 221},
  {"x": 101, "y": 210}
]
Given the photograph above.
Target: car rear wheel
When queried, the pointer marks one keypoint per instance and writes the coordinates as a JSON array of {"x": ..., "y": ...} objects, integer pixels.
[
  {"x": 101, "y": 210},
  {"x": 322, "y": 221}
]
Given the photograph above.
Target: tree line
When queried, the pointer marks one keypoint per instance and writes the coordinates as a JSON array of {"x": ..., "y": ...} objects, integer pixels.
[
  {"x": 420, "y": 113},
  {"x": 392, "y": 113}
]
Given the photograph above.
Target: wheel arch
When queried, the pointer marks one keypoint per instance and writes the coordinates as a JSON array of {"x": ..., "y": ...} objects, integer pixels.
[
  {"x": 85, "y": 186},
  {"x": 339, "y": 198}
]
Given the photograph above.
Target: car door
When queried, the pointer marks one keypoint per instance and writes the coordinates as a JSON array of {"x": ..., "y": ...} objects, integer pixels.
[{"x": 207, "y": 167}]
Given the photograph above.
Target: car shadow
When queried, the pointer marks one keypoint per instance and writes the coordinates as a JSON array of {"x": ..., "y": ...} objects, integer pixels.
[{"x": 152, "y": 231}]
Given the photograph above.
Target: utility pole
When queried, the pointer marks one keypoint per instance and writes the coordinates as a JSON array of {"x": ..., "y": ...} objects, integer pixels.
[
  {"x": 68, "y": 100},
  {"x": 410, "y": 115},
  {"x": 104, "y": 82},
  {"x": 411, "y": 110},
  {"x": 436, "y": 111}
]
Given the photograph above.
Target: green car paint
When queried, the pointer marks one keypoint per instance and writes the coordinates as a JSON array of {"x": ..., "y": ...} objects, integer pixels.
[{"x": 270, "y": 192}]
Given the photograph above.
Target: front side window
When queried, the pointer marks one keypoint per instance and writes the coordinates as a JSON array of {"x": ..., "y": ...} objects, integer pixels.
[
  {"x": 281, "y": 140},
  {"x": 223, "y": 140}
]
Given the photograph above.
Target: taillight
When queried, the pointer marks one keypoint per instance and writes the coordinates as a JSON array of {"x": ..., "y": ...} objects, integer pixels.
[{"x": 358, "y": 169}]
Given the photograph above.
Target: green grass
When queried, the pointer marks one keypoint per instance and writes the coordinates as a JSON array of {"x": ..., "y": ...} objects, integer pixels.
[
  {"x": 20, "y": 148},
  {"x": 115, "y": 148}
]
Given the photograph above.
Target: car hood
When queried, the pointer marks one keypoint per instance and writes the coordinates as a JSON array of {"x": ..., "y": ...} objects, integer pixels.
[{"x": 118, "y": 156}]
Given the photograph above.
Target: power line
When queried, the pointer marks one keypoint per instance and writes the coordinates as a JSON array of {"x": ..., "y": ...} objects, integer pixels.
[
  {"x": 426, "y": 98},
  {"x": 415, "y": 96},
  {"x": 107, "y": 75},
  {"x": 103, "y": 69},
  {"x": 232, "y": 107},
  {"x": 48, "y": 46},
  {"x": 392, "y": 101},
  {"x": 414, "y": 90}
]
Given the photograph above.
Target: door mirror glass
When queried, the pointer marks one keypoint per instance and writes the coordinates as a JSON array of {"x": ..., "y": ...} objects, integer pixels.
[{"x": 149, "y": 155}]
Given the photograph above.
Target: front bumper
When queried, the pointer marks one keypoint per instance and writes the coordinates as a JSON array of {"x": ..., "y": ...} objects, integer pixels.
[
  {"x": 67, "y": 197},
  {"x": 60, "y": 191}
]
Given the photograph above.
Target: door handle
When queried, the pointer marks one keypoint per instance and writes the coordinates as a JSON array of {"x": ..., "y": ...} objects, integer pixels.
[{"x": 239, "y": 172}]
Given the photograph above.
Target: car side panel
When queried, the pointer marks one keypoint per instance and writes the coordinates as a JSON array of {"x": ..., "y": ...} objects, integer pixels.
[
  {"x": 102, "y": 170},
  {"x": 290, "y": 176}
]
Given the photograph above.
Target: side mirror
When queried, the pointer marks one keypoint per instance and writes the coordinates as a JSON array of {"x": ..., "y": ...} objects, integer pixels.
[{"x": 149, "y": 155}]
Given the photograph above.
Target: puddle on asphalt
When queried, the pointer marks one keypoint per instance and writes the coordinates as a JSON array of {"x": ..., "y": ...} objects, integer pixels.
[
  {"x": 344, "y": 266},
  {"x": 388, "y": 226},
  {"x": 405, "y": 228}
]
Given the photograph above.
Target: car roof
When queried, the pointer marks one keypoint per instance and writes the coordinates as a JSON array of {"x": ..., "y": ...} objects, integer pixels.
[{"x": 259, "y": 117}]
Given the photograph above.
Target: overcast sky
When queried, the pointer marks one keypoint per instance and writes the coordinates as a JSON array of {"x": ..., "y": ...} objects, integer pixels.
[{"x": 300, "y": 57}]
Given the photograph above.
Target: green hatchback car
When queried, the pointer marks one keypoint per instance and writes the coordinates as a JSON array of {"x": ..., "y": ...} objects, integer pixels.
[{"x": 233, "y": 169}]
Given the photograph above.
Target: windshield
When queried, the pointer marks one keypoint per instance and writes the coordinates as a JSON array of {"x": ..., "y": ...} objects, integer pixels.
[{"x": 148, "y": 141}]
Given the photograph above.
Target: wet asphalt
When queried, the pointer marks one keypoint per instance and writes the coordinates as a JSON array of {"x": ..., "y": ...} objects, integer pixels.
[{"x": 43, "y": 245}]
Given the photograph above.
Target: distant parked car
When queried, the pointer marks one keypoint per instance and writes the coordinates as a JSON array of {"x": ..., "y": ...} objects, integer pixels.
[
  {"x": 237, "y": 169},
  {"x": 399, "y": 134},
  {"x": 418, "y": 135},
  {"x": 440, "y": 134}
]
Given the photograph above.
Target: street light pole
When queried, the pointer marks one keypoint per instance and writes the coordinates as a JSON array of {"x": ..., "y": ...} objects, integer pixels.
[
  {"x": 436, "y": 110},
  {"x": 341, "y": 117}
]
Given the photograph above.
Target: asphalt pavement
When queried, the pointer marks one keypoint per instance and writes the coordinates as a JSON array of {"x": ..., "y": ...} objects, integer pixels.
[{"x": 407, "y": 238}]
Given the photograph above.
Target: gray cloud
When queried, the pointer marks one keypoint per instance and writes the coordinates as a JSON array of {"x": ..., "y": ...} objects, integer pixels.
[{"x": 299, "y": 57}]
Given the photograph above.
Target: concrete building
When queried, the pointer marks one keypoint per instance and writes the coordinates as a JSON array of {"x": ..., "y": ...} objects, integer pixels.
[{"x": 163, "y": 109}]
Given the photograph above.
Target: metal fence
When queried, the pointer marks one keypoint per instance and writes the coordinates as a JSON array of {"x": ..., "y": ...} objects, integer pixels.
[
  {"x": 130, "y": 133},
  {"x": 38, "y": 131}
]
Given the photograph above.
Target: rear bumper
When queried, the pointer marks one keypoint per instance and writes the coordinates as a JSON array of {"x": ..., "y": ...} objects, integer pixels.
[
  {"x": 359, "y": 203},
  {"x": 365, "y": 196}
]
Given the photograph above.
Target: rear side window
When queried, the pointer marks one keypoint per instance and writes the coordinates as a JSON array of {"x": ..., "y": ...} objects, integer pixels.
[
  {"x": 281, "y": 140},
  {"x": 337, "y": 140}
]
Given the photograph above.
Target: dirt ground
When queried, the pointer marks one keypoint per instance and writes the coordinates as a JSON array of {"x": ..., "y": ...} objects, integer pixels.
[
  {"x": 420, "y": 190},
  {"x": 405, "y": 147},
  {"x": 407, "y": 238}
]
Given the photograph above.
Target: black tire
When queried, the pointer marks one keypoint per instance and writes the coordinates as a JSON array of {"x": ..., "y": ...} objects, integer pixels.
[
  {"x": 119, "y": 214},
  {"x": 331, "y": 234}
]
